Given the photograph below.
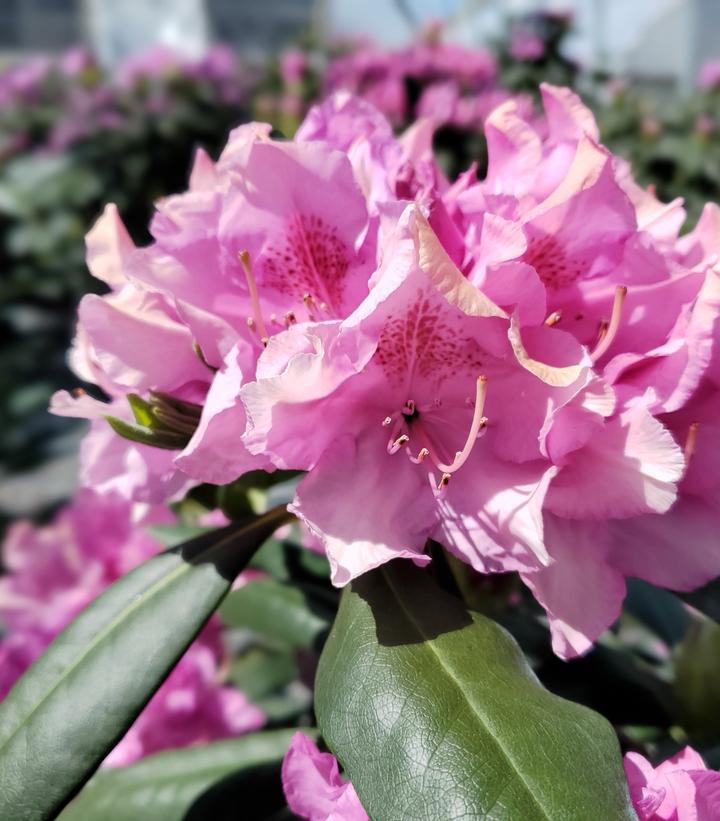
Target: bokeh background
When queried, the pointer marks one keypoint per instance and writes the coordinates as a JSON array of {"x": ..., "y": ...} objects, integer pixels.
[{"x": 103, "y": 101}]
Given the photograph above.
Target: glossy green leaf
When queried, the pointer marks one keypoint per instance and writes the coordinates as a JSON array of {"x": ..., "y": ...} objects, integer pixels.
[
  {"x": 73, "y": 705},
  {"x": 167, "y": 786},
  {"x": 297, "y": 616},
  {"x": 434, "y": 713}
]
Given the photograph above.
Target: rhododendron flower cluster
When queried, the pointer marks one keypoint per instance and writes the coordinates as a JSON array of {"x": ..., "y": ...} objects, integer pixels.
[
  {"x": 50, "y": 105},
  {"x": 521, "y": 368},
  {"x": 448, "y": 82},
  {"x": 54, "y": 571}
]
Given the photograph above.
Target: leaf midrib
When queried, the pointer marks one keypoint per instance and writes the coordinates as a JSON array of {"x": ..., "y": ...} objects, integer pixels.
[
  {"x": 127, "y": 611},
  {"x": 481, "y": 716}
]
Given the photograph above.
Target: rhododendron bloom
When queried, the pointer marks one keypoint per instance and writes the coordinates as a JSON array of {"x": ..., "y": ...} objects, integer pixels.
[
  {"x": 680, "y": 789},
  {"x": 54, "y": 571},
  {"x": 313, "y": 786},
  {"x": 275, "y": 233}
]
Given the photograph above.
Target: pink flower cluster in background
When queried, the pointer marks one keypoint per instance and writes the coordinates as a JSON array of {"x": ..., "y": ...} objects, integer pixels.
[
  {"x": 51, "y": 104},
  {"x": 522, "y": 368},
  {"x": 55, "y": 570},
  {"x": 430, "y": 78}
]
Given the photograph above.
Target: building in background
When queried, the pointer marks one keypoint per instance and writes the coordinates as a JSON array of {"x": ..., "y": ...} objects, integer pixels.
[
  {"x": 116, "y": 28},
  {"x": 39, "y": 25}
]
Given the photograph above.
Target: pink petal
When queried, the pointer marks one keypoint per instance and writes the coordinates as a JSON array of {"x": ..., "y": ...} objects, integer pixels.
[
  {"x": 580, "y": 591},
  {"x": 630, "y": 467},
  {"x": 394, "y": 520}
]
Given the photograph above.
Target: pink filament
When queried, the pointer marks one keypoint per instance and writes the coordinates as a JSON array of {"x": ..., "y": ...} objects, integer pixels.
[
  {"x": 244, "y": 258},
  {"x": 612, "y": 328}
]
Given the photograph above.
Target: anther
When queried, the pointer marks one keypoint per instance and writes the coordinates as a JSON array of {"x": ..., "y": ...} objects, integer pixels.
[
  {"x": 444, "y": 481},
  {"x": 387, "y": 421},
  {"x": 690, "y": 443},
  {"x": 310, "y": 305},
  {"x": 409, "y": 408},
  {"x": 403, "y": 439},
  {"x": 612, "y": 328},
  {"x": 554, "y": 318},
  {"x": 422, "y": 455},
  {"x": 290, "y": 319},
  {"x": 244, "y": 258}
]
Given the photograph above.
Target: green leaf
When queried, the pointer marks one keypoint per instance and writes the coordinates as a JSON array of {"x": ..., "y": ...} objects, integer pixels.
[
  {"x": 287, "y": 561},
  {"x": 75, "y": 703},
  {"x": 697, "y": 669},
  {"x": 165, "y": 786},
  {"x": 297, "y": 616},
  {"x": 659, "y": 609},
  {"x": 434, "y": 713}
]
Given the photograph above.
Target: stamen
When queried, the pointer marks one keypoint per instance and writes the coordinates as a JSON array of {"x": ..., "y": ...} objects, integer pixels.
[
  {"x": 612, "y": 328},
  {"x": 409, "y": 408},
  {"x": 478, "y": 423},
  {"x": 395, "y": 446},
  {"x": 690, "y": 444},
  {"x": 387, "y": 421},
  {"x": 201, "y": 356},
  {"x": 554, "y": 318},
  {"x": 78, "y": 392},
  {"x": 423, "y": 453},
  {"x": 310, "y": 305},
  {"x": 244, "y": 258}
]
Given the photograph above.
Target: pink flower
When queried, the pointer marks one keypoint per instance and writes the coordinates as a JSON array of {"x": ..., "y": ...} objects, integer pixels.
[
  {"x": 293, "y": 64},
  {"x": 313, "y": 786},
  {"x": 526, "y": 46},
  {"x": 272, "y": 234},
  {"x": 709, "y": 75},
  {"x": 680, "y": 789},
  {"x": 382, "y": 76},
  {"x": 54, "y": 571}
]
